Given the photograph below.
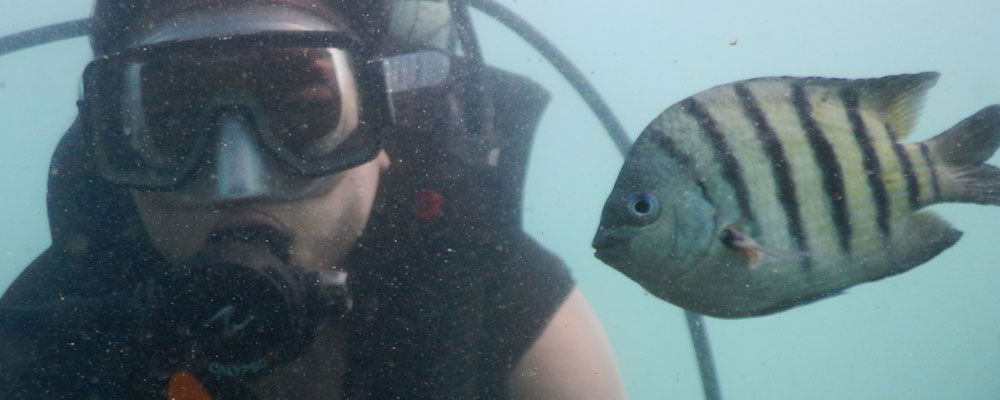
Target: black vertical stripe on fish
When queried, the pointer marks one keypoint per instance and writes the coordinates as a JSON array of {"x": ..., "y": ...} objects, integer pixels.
[
  {"x": 827, "y": 163},
  {"x": 869, "y": 158},
  {"x": 930, "y": 165},
  {"x": 912, "y": 184},
  {"x": 668, "y": 146},
  {"x": 780, "y": 166},
  {"x": 730, "y": 168}
]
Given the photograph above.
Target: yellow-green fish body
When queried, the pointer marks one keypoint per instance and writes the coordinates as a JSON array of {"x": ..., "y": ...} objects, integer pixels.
[{"x": 753, "y": 197}]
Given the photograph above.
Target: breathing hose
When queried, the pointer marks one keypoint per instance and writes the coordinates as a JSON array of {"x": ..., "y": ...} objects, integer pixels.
[{"x": 43, "y": 35}]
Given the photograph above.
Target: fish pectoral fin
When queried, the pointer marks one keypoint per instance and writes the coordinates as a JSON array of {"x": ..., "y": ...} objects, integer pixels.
[
  {"x": 755, "y": 253},
  {"x": 786, "y": 255},
  {"x": 733, "y": 237}
]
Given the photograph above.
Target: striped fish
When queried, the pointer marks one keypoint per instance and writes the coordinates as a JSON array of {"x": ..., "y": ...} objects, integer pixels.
[{"x": 757, "y": 196}]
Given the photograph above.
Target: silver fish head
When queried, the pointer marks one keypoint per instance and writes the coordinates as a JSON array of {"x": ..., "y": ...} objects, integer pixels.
[{"x": 657, "y": 223}]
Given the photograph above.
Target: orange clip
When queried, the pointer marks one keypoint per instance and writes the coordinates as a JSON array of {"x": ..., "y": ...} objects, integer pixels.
[{"x": 184, "y": 386}]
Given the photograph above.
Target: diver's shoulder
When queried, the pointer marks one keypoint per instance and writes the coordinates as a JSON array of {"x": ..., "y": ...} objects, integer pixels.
[{"x": 54, "y": 270}]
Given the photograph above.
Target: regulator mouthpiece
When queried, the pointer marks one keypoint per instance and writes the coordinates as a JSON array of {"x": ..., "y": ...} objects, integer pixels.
[{"x": 245, "y": 309}]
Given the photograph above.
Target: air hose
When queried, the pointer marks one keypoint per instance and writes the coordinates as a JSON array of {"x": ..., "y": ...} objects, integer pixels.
[{"x": 43, "y": 35}]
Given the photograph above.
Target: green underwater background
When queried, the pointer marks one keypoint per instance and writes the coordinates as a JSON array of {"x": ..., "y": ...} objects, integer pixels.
[{"x": 931, "y": 333}]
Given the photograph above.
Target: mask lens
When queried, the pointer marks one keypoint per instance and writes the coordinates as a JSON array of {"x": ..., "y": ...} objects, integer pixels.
[
  {"x": 303, "y": 101},
  {"x": 160, "y": 122},
  {"x": 317, "y": 101}
]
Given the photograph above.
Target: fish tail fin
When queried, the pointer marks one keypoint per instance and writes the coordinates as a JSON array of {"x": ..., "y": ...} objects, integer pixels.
[{"x": 962, "y": 152}]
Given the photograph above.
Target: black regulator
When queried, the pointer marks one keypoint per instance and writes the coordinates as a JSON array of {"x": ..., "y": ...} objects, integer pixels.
[{"x": 237, "y": 309}]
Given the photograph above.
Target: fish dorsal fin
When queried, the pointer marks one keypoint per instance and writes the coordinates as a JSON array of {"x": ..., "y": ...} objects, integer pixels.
[{"x": 897, "y": 98}]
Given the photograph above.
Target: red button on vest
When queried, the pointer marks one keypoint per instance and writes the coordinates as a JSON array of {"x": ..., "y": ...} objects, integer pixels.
[{"x": 428, "y": 205}]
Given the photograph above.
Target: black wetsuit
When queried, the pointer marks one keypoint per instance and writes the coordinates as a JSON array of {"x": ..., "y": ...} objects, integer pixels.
[{"x": 444, "y": 307}]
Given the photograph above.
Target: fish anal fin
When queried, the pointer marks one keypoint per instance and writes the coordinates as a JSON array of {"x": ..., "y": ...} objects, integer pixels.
[
  {"x": 922, "y": 238},
  {"x": 897, "y": 98}
]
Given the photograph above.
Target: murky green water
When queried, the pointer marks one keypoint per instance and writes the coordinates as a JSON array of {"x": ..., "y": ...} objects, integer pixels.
[{"x": 931, "y": 333}]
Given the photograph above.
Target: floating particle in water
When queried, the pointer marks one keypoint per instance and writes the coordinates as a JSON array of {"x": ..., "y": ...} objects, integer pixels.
[{"x": 734, "y": 42}]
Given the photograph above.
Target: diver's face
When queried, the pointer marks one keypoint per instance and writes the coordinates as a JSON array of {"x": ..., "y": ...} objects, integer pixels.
[
  {"x": 323, "y": 222},
  {"x": 322, "y": 228}
]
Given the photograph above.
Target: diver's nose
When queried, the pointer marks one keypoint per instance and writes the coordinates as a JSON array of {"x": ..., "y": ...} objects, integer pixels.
[
  {"x": 240, "y": 171},
  {"x": 607, "y": 239}
]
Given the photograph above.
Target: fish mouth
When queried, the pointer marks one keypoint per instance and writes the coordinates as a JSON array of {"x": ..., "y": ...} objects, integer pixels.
[
  {"x": 610, "y": 256},
  {"x": 610, "y": 246}
]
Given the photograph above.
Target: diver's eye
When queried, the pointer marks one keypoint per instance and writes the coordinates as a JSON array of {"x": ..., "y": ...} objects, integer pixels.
[{"x": 643, "y": 207}]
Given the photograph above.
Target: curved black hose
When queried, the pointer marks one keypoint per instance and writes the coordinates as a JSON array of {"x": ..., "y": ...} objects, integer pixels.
[
  {"x": 562, "y": 64},
  {"x": 703, "y": 352},
  {"x": 695, "y": 322},
  {"x": 45, "y": 34},
  {"x": 463, "y": 27},
  {"x": 471, "y": 50}
]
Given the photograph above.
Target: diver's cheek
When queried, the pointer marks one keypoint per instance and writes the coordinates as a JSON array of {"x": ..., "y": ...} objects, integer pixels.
[
  {"x": 328, "y": 226},
  {"x": 322, "y": 241}
]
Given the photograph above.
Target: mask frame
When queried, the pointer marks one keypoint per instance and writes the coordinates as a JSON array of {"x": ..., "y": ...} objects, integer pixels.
[{"x": 102, "y": 112}]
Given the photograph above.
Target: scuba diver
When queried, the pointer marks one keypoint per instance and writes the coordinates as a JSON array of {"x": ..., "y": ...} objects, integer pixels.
[{"x": 296, "y": 199}]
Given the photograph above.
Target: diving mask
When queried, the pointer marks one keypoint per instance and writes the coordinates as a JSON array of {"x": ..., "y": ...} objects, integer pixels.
[
  {"x": 248, "y": 112},
  {"x": 156, "y": 111}
]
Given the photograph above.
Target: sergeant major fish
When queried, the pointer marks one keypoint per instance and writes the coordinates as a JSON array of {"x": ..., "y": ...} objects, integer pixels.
[{"x": 757, "y": 196}]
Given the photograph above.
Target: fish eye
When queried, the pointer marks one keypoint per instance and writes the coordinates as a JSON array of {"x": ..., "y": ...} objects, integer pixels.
[{"x": 643, "y": 207}]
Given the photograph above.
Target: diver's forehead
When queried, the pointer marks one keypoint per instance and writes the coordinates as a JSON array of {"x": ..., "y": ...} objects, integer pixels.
[{"x": 230, "y": 21}]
